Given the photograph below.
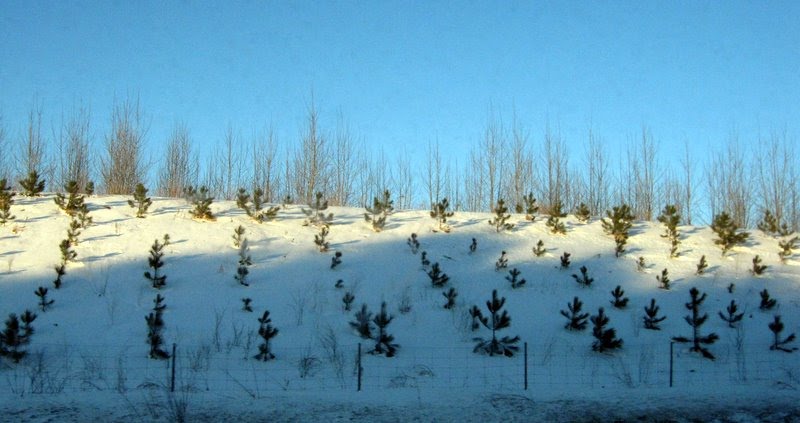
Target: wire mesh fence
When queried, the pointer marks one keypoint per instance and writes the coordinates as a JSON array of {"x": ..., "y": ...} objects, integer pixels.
[{"x": 544, "y": 367}]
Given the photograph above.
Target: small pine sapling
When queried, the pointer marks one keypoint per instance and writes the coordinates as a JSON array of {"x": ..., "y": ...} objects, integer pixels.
[
  {"x": 582, "y": 213},
  {"x": 641, "y": 266},
  {"x": 14, "y": 337},
  {"x": 731, "y": 287},
  {"x": 363, "y": 322},
  {"x": 6, "y": 201},
  {"x": 245, "y": 261},
  {"x": 201, "y": 202},
  {"x": 67, "y": 253},
  {"x": 577, "y": 319},
  {"x": 529, "y": 206},
  {"x": 702, "y": 265},
  {"x": 605, "y": 339},
  {"x": 319, "y": 239},
  {"x": 767, "y": 303},
  {"x": 758, "y": 268},
  {"x": 438, "y": 278},
  {"x": 554, "y": 221},
  {"x": 73, "y": 232},
  {"x": 695, "y": 320},
  {"x": 73, "y": 202},
  {"x": 266, "y": 331},
  {"x": 786, "y": 246},
  {"x": 336, "y": 260},
  {"x": 565, "y": 260},
  {"x": 287, "y": 201},
  {"x": 424, "y": 260},
  {"x": 539, "y": 249},
  {"x": 347, "y": 300},
  {"x": 618, "y": 226},
  {"x": 498, "y": 321},
  {"x": 315, "y": 214},
  {"x": 476, "y": 316},
  {"x": 450, "y": 295},
  {"x": 246, "y": 304},
  {"x": 513, "y": 274},
  {"x": 141, "y": 202},
  {"x": 384, "y": 343},
  {"x": 670, "y": 218},
  {"x": 154, "y": 261},
  {"x": 620, "y": 300},
  {"x": 60, "y": 272},
  {"x": 728, "y": 232},
  {"x": 732, "y": 317},
  {"x": 778, "y": 344},
  {"x": 255, "y": 209},
  {"x": 501, "y": 217},
  {"x": 501, "y": 262},
  {"x": 440, "y": 214},
  {"x": 339, "y": 284},
  {"x": 32, "y": 186},
  {"x": 381, "y": 209},
  {"x": 663, "y": 279},
  {"x": 155, "y": 327},
  {"x": 43, "y": 301},
  {"x": 413, "y": 243},
  {"x": 238, "y": 236},
  {"x": 769, "y": 223},
  {"x": 583, "y": 279},
  {"x": 473, "y": 246},
  {"x": 89, "y": 188},
  {"x": 651, "y": 318}
]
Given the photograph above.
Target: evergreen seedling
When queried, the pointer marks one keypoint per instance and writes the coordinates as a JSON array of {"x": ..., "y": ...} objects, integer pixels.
[
  {"x": 582, "y": 213},
  {"x": 266, "y": 332},
  {"x": 201, "y": 203},
  {"x": 43, "y": 301},
  {"x": 776, "y": 326},
  {"x": 619, "y": 301},
  {"x": 440, "y": 214},
  {"x": 141, "y": 202},
  {"x": 315, "y": 214},
  {"x": 663, "y": 279},
  {"x": 786, "y": 246},
  {"x": 413, "y": 243},
  {"x": 640, "y": 264},
  {"x": 476, "y": 315},
  {"x": 255, "y": 209},
  {"x": 732, "y": 317},
  {"x": 158, "y": 303},
  {"x": 154, "y": 261},
  {"x": 539, "y": 249},
  {"x": 473, "y": 246},
  {"x": 32, "y": 186},
  {"x": 501, "y": 216},
  {"x": 336, "y": 260},
  {"x": 618, "y": 226},
  {"x": 71, "y": 203},
  {"x": 245, "y": 261},
  {"x": 73, "y": 231},
  {"x": 319, "y": 239},
  {"x": 6, "y": 201},
  {"x": 651, "y": 318},
  {"x": 89, "y": 188},
  {"x": 384, "y": 343},
  {"x": 512, "y": 278},
  {"x": 670, "y": 218},
  {"x": 363, "y": 322},
  {"x": 767, "y": 303},
  {"x": 380, "y": 210},
  {"x": 529, "y": 206},
  {"x": 605, "y": 339},
  {"x": 498, "y": 321},
  {"x": 502, "y": 262},
  {"x": 450, "y": 295},
  {"x": 731, "y": 287},
  {"x": 438, "y": 278},
  {"x": 14, "y": 337},
  {"x": 60, "y": 272},
  {"x": 155, "y": 326},
  {"x": 727, "y": 232},
  {"x": 554, "y": 222},
  {"x": 702, "y": 265},
  {"x": 67, "y": 253},
  {"x": 347, "y": 300},
  {"x": 584, "y": 278},
  {"x": 565, "y": 260},
  {"x": 424, "y": 260},
  {"x": 339, "y": 284},
  {"x": 238, "y": 236},
  {"x": 577, "y": 320},
  {"x": 695, "y": 320},
  {"x": 246, "y": 304},
  {"x": 758, "y": 268},
  {"x": 769, "y": 223}
]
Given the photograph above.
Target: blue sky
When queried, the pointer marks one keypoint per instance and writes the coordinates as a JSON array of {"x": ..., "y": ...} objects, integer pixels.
[{"x": 402, "y": 74}]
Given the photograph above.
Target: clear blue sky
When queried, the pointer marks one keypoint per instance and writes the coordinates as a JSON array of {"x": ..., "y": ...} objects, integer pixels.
[{"x": 405, "y": 73}]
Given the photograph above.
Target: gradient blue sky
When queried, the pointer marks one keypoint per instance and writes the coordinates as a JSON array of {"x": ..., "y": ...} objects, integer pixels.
[{"x": 403, "y": 74}]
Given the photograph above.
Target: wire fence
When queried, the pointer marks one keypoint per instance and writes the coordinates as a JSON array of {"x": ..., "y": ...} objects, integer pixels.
[{"x": 548, "y": 367}]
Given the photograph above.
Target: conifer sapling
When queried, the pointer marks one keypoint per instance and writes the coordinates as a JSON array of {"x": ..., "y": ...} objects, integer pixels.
[
  {"x": 618, "y": 226},
  {"x": 43, "y": 301},
  {"x": 758, "y": 268},
  {"x": 315, "y": 214},
  {"x": 424, "y": 260},
  {"x": 245, "y": 261},
  {"x": 6, "y": 201},
  {"x": 363, "y": 322},
  {"x": 513, "y": 274},
  {"x": 67, "y": 253},
  {"x": 336, "y": 260},
  {"x": 702, "y": 265},
  {"x": 501, "y": 217},
  {"x": 728, "y": 232},
  {"x": 440, "y": 214},
  {"x": 497, "y": 321},
  {"x": 246, "y": 304},
  {"x": 663, "y": 279},
  {"x": 605, "y": 339},
  {"x": 155, "y": 327},
  {"x": 255, "y": 209},
  {"x": 565, "y": 260},
  {"x": 473, "y": 246},
  {"x": 554, "y": 221},
  {"x": 347, "y": 300},
  {"x": 619, "y": 301},
  {"x": 319, "y": 239},
  {"x": 141, "y": 202},
  {"x": 732, "y": 317},
  {"x": 413, "y": 243},
  {"x": 776, "y": 326},
  {"x": 60, "y": 272},
  {"x": 14, "y": 337},
  {"x": 154, "y": 261},
  {"x": 384, "y": 343},
  {"x": 769, "y": 223},
  {"x": 582, "y": 213},
  {"x": 450, "y": 295},
  {"x": 577, "y": 319},
  {"x": 539, "y": 249},
  {"x": 695, "y": 320},
  {"x": 476, "y": 315},
  {"x": 670, "y": 218},
  {"x": 201, "y": 202},
  {"x": 32, "y": 186},
  {"x": 529, "y": 206},
  {"x": 266, "y": 331},
  {"x": 786, "y": 246},
  {"x": 238, "y": 236},
  {"x": 767, "y": 303},
  {"x": 438, "y": 278},
  {"x": 584, "y": 278},
  {"x": 640, "y": 264},
  {"x": 380, "y": 210},
  {"x": 651, "y": 318},
  {"x": 502, "y": 262}
]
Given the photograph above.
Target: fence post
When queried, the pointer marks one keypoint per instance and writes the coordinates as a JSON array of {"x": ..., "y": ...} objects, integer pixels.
[
  {"x": 172, "y": 378},
  {"x": 360, "y": 369},
  {"x": 526, "y": 366},
  {"x": 671, "y": 347}
]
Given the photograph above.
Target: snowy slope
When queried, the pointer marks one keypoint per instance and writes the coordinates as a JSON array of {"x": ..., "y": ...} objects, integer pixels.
[{"x": 92, "y": 340}]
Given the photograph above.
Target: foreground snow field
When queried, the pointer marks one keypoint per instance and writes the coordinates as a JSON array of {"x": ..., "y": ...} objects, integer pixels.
[{"x": 88, "y": 356}]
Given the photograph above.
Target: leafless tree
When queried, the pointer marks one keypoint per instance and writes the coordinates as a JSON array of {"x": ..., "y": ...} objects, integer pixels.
[
  {"x": 311, "y": 160},
  {"x": 521, "y": 181},
  {"x": 180, "y": 167},
  {"x": 474, "y": 182},
  {"x": 434, "y": 175},
  {"x": 123, "y": 165},
  {"x": 777, "y": 174},
  {"x": 266, "y": 173},
  {"x": 4, "y": 148},
  {"x": 403, "y": 182},
  {"x": 492, "y": 162},
  {"x": 688, "y": 199},
  {"x": 642, "y": 171},
  {"x": 74, "y": 149},
  {"x": 31, "y": 150},
  {"x": 556, "y": 165},
  {"x": 346, "y": 161},
  {"x": 729, "y": 184},
  {"x": 596, "y": 188}
]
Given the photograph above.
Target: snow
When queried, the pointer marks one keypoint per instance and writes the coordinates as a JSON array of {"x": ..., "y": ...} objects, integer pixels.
[{"x": 88, "y": 357}]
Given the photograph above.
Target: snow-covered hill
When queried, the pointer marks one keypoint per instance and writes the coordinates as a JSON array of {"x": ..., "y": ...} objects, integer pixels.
[{"x": 88, "y": 355}]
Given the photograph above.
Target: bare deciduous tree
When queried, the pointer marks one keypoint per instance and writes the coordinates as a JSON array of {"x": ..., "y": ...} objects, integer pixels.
[
  {"x": 266, "y": 174},
  {"x": 180, "y": 168},
  {"x": 556, "y": 164},
  {"x": 123, "y": 165},
  {"x": 688, "y": 198},
  {"x": 31, "y": 150},
  {"x": 434, "y": 175},
  {"x": 311, "y": 160},
  {"x": 521, "y": 181},
  {"x": 642, "y": 171},
  {"x": 777, "y": 176},
  {"x": 346, "y": 161},
  {"x": 596, "y": 187},
  {"x": 729, "y": 184},
  {"x": 74, "y": 149},
  {"x": 403, "y": 181},
  {"x": 3, "y": 147}
]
